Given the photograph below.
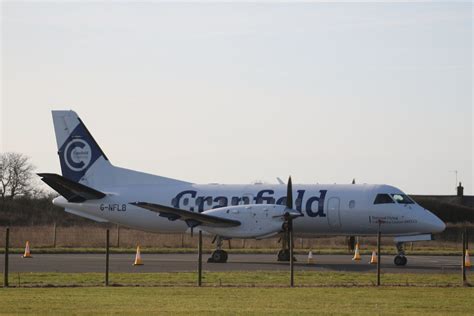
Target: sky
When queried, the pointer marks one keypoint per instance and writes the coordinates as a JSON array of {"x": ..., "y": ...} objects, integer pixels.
[{"x": 240, "y": 92}]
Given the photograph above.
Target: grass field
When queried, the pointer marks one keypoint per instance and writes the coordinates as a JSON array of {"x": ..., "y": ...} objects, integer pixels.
[
  {"x": 234, "y": 279},
  {"x": 212, "y": 300},
  {"x": 260, "y": 292}
]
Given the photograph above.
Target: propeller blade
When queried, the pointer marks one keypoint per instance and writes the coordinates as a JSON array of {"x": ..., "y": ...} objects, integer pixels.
[
  {"x": 290, "y": 212},
  {"x": 289, "y": 194}
]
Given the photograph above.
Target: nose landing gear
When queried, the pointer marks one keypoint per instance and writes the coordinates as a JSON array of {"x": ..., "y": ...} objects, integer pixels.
[{"x": 400, "y": 259}]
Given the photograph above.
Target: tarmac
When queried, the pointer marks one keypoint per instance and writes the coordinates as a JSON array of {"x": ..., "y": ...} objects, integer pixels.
[{"x": 237, "y": 262}]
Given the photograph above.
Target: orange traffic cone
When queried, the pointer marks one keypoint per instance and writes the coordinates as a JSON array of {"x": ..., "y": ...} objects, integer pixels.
[
  {"x": 138, "y": 258},
  {"x": 467, "y": 260},
  {"x": 27, "y": 253},
  {"x": 356, "y": 253},
  {"x": 310, "y": 257},
  {"x": 373, "y": 259}
]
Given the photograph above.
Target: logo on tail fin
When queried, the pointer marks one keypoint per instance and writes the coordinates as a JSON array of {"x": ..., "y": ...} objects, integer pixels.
[
  {"x": 77, "y": 155},
  {"x": 79, "y": 151}
]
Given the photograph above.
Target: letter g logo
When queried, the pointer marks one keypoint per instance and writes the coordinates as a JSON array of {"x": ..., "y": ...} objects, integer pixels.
[{"x": 77, "y": 155}]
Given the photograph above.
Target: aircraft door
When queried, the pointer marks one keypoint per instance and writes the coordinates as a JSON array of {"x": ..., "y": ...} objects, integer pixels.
[{"x": 334, "y": 216}]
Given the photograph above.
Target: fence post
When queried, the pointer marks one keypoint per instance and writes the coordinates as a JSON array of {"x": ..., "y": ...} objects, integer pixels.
[
  {"x": 54, "y": 235},
  {"x": 378, "y": 254},
  {"x": 118, "y": 236},
  {"x": 5, "y": 267},
  {"x": 463, "y": 266},
  {"x": 200, "y": 259},
  {"x": 467, "y": 239},
  {"x": 291, "y": 245},
  {"x": 107, "y": 239}
]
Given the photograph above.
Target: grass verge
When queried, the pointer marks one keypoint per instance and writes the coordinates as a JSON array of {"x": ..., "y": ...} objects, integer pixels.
[
  {"x": 233, "y": 279},
  {"x": 210, "y": 300}
]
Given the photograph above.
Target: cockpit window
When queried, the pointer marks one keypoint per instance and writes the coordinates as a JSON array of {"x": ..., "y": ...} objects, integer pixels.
[
  {"x": 383, "y": 199},
  {"x": 402, "y": 199}
]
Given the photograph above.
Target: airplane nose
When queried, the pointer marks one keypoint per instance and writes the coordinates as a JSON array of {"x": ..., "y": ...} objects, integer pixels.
[{"x": 436, "y": 225}]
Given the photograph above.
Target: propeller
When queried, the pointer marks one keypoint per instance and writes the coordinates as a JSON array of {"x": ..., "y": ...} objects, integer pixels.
[
  {"x": 290, "y": 214},
  {"x": 289, "y": 194}
]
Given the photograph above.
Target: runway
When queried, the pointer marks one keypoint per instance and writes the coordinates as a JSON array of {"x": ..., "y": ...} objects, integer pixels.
[{"x": 236, "y": 262}]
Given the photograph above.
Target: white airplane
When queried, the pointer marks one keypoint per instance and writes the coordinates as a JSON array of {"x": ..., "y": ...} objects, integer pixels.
[{"x": 91, "y": 187}]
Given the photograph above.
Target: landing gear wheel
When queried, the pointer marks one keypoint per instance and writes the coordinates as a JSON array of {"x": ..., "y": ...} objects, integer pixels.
[
  {"x": 284, "y": 255},
  {"x": 400, "y": 260},
  {"x": 218, "y": 256}
]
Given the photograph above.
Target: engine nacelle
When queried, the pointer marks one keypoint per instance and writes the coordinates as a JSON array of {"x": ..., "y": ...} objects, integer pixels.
[{"x": 257, "y": 220}]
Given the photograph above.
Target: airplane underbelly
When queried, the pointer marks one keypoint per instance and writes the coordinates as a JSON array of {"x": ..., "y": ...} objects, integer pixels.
[
  {"x": 131, "y": 216},
  {"x": 145, "y": 220}
]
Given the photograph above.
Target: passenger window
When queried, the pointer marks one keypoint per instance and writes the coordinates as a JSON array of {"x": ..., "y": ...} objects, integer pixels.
[
  {"x": 352, "y": 204},
  {"x": 383, "y": 199}
]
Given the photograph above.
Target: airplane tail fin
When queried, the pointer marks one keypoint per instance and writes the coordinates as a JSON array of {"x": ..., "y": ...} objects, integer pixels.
[
  {"x": 82, "y": 160},
  {"x": 77, "y": 149}
]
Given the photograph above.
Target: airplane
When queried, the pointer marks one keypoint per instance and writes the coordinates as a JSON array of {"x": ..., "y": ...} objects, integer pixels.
[{"x": 91, "y": 187}]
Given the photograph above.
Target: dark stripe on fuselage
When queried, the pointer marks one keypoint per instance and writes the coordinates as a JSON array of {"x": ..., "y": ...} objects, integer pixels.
[{"x": 192, "y": 200}]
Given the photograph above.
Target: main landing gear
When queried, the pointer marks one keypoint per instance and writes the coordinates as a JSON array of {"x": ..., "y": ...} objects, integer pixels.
[
  {"x": 284, "y": 253},
  {"x": 400, "y": 259},
  {"x": 219, "y": 255}
]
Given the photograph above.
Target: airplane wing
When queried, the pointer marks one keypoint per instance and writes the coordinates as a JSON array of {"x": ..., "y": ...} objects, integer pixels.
[
  {"x": 71, "y": 190},
  {"x": 191, "y": 218}
]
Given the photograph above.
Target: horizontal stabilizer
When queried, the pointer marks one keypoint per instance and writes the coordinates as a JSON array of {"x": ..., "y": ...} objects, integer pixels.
[
  {"x": 192, "y": 219},
  {"x": 71, "y": 190}
]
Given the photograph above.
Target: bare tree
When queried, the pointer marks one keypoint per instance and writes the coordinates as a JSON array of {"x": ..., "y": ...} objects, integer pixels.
[{"x": 16, "y": 172}]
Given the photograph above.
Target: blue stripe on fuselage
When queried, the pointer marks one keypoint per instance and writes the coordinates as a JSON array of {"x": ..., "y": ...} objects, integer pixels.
[{"x": 313, "y": 205}]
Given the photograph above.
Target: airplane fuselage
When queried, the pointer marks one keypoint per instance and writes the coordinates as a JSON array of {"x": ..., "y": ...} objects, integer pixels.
[
  {"x": 327, "y": 209},
  {"x": 91, "y": 186}
]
